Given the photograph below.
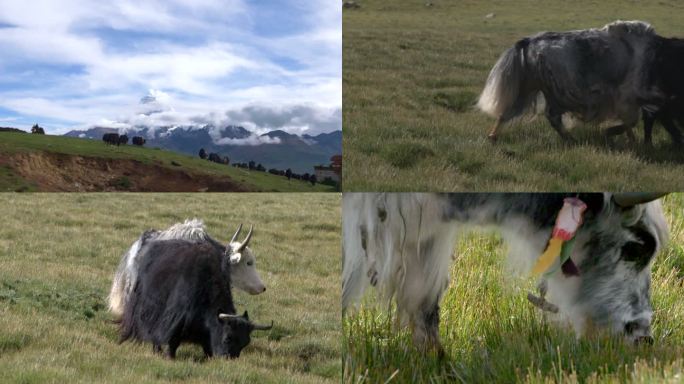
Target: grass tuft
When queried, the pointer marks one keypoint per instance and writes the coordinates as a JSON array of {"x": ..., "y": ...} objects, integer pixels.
[{"x": 405, "y": 155}]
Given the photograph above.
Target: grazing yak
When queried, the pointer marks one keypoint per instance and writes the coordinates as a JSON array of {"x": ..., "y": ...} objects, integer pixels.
[
  {"x": 403, "y": 243},
  {"x": 111, "y": 138},
  {"x": 183, "y": 295},
  {"x": 138, "y": 140},
  {"x": 123, "y": 139},
  {"x": 244, "y": 275},
  {"x": 595, "y": 75}
]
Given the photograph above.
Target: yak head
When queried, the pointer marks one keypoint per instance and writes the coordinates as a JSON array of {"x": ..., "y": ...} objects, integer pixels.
[
  {"x": 236, "y": 333},
  {"x": 614, "y": 252},
  {"x": 243, "y": 272}
]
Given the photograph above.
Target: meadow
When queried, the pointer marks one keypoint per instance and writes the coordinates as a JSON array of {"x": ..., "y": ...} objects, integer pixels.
[
  {"x": 146, "y": 162},
  {"x": 413, "y": 70},
  {"x": 491, "y": 333},
  {"x": 58, "y": 254}
]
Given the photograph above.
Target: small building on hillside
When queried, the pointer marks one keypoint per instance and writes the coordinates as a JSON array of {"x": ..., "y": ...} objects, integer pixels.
[{"x": 331, "y": 172}]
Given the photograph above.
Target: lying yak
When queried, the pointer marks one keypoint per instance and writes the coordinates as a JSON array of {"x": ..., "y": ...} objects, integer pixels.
[
  {"x": 243, "y": 273},
  {"x": 594, "y": 75},
  {"x": 182, "y": 294},
  {"x": 403, "y": 244}
]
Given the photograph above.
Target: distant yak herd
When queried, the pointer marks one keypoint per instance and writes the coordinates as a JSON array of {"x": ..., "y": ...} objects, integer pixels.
[{"x": 116, "y": 139}]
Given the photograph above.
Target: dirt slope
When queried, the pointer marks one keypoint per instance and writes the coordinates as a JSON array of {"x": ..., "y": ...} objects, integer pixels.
[{"x": 54, "y": 172}]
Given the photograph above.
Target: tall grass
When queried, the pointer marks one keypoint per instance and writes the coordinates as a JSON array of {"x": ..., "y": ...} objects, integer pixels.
[
  {"x": 491, "y": 333},
  {"x": 412, "y": 73},
  {"x": 58, "y": 253}
]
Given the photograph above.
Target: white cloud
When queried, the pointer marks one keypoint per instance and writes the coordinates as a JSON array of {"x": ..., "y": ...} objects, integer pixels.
[
  {"x": 194, "y": 57},
  {"x": 251, "y": 140}
]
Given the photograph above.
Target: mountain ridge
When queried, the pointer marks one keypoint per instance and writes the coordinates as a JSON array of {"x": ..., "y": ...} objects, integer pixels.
[{"x": 274, "y": 149}]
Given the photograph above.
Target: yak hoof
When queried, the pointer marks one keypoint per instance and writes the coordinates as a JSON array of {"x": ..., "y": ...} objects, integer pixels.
[{"x": 492, "y": 138}]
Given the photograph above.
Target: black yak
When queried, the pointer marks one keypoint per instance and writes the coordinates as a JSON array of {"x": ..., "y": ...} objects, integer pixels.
[
  {"x": 596, "y": 75},
  {"x": 37, "y": 129},
  {"x": 183, "y": 295},
  {"x": 111, "y": 138},
  {"x": 138, "y": 140}
]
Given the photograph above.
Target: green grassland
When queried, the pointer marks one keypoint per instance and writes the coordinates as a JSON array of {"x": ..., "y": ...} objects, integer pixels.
[
  {"x": 58, "y": 254},
  {"x": 11, "y": 142},
  {"x": 491, "y": 333},
  {"x": 412, "y": 73}
]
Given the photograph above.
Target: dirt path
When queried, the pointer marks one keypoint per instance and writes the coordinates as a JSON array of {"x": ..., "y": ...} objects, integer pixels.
[{"x": 54, "y": 172}]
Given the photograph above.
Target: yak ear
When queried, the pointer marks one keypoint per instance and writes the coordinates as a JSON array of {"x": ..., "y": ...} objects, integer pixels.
[
  {"x": 245, "y": 315},
  {"x": 235, "y": 258}
]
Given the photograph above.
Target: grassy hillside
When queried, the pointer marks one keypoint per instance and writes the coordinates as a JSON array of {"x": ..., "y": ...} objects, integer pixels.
[
  {"x": 146, "y": 161},
  {"x": 412, "y": 73},
  {"x": 491, "y": 333},
  {"x": 58, "y": 254}
]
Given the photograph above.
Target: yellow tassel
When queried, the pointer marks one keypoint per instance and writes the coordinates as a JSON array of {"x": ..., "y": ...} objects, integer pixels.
[{"x": 547, "y": 258}]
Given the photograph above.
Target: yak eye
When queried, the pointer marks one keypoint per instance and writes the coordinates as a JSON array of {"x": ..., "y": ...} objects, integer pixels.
[
  {"x": 250, "y": 263},
  {"x": 641, "y": 250}
]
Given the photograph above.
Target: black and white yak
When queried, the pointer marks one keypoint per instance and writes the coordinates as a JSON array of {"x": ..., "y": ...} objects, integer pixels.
[
  {"x": 182, "y": 294},
  {"x": 594, "y": 75},
  {"x": 403, "y": 243},
  {"x": 244, "y": 275}
]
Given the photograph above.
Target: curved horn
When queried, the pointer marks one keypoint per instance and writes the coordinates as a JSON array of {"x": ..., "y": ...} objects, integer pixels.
[
  {"x": 246, "y": 241},
  {"x": 236, "y": 234},
  {"x": 259, "y": 327},
  {"x": 224, "y": 316},
  {"x": 630, "y": 199}
]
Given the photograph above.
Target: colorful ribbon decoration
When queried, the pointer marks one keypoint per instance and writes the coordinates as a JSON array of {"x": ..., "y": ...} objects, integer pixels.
[{"x": 568, "y": 221}]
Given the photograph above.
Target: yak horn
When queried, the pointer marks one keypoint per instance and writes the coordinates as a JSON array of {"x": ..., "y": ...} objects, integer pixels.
[
  {"x": 262, "y": 327},
  {"x": 630, "y": 199},
  {"x": 236, "y": 233},
  {"x": 224, "y": 316},
  {"x": 246, "y": 241}
]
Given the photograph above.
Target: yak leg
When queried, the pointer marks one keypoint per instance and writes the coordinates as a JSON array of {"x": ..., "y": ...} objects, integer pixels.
[
  {"x": 173, "y": 346},
  {"x": 427, "y": 277},
  {"x": 630, "y": 136},
  {"x": 649, "y": 120},
  {"x": 157, "y": 349},
  {"x": 494, "y": 131},
  {"x": 206, "y": 347},
  {"x": 617, "y": 130},
  {"x": 426, "y": 329},
  {"x": 672, "y": 129},
  {"x": 555, "y": 117}
]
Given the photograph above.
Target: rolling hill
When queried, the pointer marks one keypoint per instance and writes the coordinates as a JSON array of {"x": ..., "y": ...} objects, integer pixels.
[{"x": 56, "y": 163}]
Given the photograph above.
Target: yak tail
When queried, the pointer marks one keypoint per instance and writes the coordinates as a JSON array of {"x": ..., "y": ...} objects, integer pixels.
[
  {"x": 502, "y": 95},
  {"x": 127, "y": 272},
  {"x": 123, "y": 278},
  {"x": 126, "y": 275}
]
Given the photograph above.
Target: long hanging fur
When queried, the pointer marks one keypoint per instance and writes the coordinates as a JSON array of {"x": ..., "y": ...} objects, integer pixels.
[{"x": 127, "y": 271}]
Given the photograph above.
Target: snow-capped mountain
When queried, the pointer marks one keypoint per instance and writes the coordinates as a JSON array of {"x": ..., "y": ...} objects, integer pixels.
[{"x": 275, "y": 149}]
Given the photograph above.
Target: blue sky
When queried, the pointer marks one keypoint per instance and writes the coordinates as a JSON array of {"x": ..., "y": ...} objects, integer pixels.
[{"x": 73, "y": 64}]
